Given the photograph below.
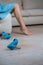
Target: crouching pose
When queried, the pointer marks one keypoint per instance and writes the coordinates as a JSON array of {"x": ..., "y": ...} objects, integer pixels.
[{"x": 14, "y": 8}]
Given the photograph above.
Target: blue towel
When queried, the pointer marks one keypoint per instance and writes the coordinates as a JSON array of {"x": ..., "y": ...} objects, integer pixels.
[{"x": 5, "y": 9}]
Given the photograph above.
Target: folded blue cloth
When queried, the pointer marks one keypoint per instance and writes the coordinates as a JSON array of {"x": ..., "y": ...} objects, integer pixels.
[{"x": 5, "y": 9}]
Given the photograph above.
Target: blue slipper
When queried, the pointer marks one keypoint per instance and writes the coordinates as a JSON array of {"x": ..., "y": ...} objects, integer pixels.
[
  {"x": 6, "y": 35},
  {"x": 13, "y": 44},
  {"x": 12, "y": 47}
]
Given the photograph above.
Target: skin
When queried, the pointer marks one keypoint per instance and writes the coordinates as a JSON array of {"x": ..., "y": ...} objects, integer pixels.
[{"x": 18, "y": 15}]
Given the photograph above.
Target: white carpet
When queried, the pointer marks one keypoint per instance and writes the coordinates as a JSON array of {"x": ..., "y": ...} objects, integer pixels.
[{"x": 31, "y": 52}]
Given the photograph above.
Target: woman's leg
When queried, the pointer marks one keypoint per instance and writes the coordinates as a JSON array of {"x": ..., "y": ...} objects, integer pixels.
[{"x": 18, "y": 15}]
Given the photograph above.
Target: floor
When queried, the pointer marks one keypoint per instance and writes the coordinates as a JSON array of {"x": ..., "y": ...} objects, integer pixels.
[{"x": 31, "y": 52}]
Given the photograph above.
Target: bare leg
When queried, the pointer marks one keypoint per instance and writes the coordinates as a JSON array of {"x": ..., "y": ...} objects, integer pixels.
[{"x": 18, "y": 15}]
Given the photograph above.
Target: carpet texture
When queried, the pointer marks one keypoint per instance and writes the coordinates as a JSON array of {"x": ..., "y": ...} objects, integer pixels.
[{"x": 31, "y": 52}]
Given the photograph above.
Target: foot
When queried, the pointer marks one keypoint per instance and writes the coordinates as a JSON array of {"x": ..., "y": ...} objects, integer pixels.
[{"x": 25, "y": 31}]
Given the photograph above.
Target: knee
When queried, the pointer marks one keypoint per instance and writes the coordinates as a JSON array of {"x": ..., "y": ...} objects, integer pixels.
[{"x": 16, "y": 5}]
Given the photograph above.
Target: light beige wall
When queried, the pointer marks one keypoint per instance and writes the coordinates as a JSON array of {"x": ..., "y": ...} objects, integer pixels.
[{"x": 32, "y": 4}]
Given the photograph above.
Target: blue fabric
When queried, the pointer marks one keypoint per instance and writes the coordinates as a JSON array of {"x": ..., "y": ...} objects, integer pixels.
[{"x": 5, "y": 9}]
